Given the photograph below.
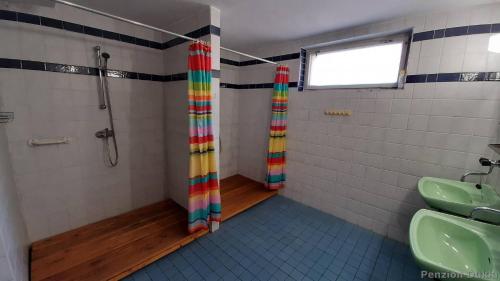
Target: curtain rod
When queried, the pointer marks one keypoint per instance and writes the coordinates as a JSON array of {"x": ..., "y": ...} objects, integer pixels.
[{"x": 152, "y": 27}]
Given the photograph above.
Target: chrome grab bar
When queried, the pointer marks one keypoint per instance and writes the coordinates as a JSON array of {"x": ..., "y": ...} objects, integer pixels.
[{"x": 40, "y": 142}]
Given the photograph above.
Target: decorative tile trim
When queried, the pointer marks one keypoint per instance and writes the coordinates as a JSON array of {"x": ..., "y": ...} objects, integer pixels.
[
  {"x": 85, "y": 70},
  {"x": 278, "y": 58},
  {"x": 456, "y": 31},
  {"x": 97, "y": 32},
  {"x": 454, "y": 77}
]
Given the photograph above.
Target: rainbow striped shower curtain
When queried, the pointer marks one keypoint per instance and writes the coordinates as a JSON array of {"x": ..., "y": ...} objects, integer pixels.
[
  {"x": 276, "y": 177},
  {"x": 204, "y": 194}
]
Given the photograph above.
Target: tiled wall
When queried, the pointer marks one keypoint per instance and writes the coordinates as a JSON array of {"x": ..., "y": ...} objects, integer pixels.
[
  {"x": 66, "y": 186},
  {"x": 229, "y": 120},
  {"x": 365, "y": 168},
  {"x": 13, "y": 237},
  {"x": 176, "y": 101}
]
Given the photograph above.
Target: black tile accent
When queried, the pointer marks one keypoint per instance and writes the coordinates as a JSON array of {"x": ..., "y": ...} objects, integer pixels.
[
  {"x": 160, "y": 78},
  {"x": 155, "y": 45},
  {"x": 111, "y": 35},
  {"x": 32, "y": 65},
  {"x": 93, "y": 71},
  {"x": 448, "y": 77},
  {"x": 142, "y": 42},
  {"x": 144, "y": 76},
  {"x": 229, "y": 62},
  {"x": 439, "y": 33},
  {"x": 51, "y": 22},
  {"x": 8, "y": 15},
  {"x": 178, "y": 77},
  {"x": 456, "y": 31},
  {"x": 10, "y": 63},
  {"x": 127, "y": 39},
  {"x": 479, "y": 29},
  {"x": 418, "y": 78},
  {"x": 72, "y": 27},
  {"x": 215, "y": 30},
  {"x": 431, "y": 77},
  {"x": 92, "y": 31},
  {"x": 28, "y": 18},
  {"x": 291, "y": 56},
  {"x": 420, "y": 36},
  {"x": 495, "y": 28},
  {"x": 206, "y": 30}
]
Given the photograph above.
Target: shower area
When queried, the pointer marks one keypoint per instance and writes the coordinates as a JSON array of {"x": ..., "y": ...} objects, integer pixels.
[{"x": 95, "y": 159}]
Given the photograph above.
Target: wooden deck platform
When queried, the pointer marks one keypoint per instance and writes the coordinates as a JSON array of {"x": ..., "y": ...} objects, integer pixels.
[{"x": 115, "y": 247}]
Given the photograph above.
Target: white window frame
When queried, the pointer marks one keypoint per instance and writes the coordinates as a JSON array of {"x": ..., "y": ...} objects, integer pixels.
[{"x": 403, "y": 36}]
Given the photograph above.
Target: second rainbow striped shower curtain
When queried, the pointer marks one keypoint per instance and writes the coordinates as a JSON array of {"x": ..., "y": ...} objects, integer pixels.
[
  {"x": 204, "y": 204},
  {"x": 276, "y": 156}
]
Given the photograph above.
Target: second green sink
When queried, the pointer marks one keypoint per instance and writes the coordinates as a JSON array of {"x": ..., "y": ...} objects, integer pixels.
[
  {"x": 449, "y": 244},
  {"x": 459, "y": 197}
]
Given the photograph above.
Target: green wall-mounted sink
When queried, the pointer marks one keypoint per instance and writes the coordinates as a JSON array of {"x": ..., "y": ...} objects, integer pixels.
[
  {"x": 448, "y": 244},
  {"x": 459, "y": 197}
]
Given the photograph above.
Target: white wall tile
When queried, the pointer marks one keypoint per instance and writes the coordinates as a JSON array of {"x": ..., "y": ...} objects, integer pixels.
[
  {"x": 393, "y": 137},
  {"x": 56, "y": 104}
]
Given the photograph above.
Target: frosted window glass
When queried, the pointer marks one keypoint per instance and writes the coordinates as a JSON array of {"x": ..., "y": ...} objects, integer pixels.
[{"x": 362, "y": 66}]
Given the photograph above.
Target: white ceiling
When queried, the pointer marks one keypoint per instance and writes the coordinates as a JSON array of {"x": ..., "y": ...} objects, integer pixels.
[{"x": 250, "y": 22}]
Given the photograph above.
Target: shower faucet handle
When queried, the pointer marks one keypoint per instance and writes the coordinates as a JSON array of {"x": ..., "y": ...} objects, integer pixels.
[{"x": 104, "y": 134}]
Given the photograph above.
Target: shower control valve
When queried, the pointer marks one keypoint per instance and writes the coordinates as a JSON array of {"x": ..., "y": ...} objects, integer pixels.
[{"x": 106, "y": 133}]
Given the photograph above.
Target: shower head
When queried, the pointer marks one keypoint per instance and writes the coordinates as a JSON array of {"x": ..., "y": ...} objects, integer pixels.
[{"x": 106, "y": 56}]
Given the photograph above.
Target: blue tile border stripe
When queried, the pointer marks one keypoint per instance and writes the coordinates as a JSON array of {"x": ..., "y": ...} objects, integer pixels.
[
  {"x": 85, "y": 70},
  {"x": 97, "y": 32},
  {"x": 291, "y": 56},
  {"x": 456, "y": 31},
  {"x": 454, "y": 77}
]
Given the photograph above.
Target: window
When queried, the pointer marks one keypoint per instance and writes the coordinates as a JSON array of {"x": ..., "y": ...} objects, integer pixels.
[{"x": 369, "y": 62}]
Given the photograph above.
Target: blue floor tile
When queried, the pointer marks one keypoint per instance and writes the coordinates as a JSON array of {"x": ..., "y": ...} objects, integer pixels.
[{"x": 280, "y": 239}]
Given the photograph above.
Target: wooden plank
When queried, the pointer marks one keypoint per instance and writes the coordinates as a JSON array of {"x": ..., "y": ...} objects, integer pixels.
[
  {"x": 63, "y": 240},
  {"x": 247, "y": 195},
  {"x": 232, "y": 182},
  {"x": 65, "y": 259},
  {"x": 122, "y": 261},
  {"x": 113, "y": 248}
]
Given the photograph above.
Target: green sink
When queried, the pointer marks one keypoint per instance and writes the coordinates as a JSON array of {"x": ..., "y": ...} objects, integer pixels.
[
  {"x": 459, "y": 197},
  {"x": 448, "y": 244}
]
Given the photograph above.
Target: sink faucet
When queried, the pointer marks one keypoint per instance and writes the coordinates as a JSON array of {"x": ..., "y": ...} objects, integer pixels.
[
  {"x": 486, "y": 163},
  {"x": 486, "y": 209}
]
